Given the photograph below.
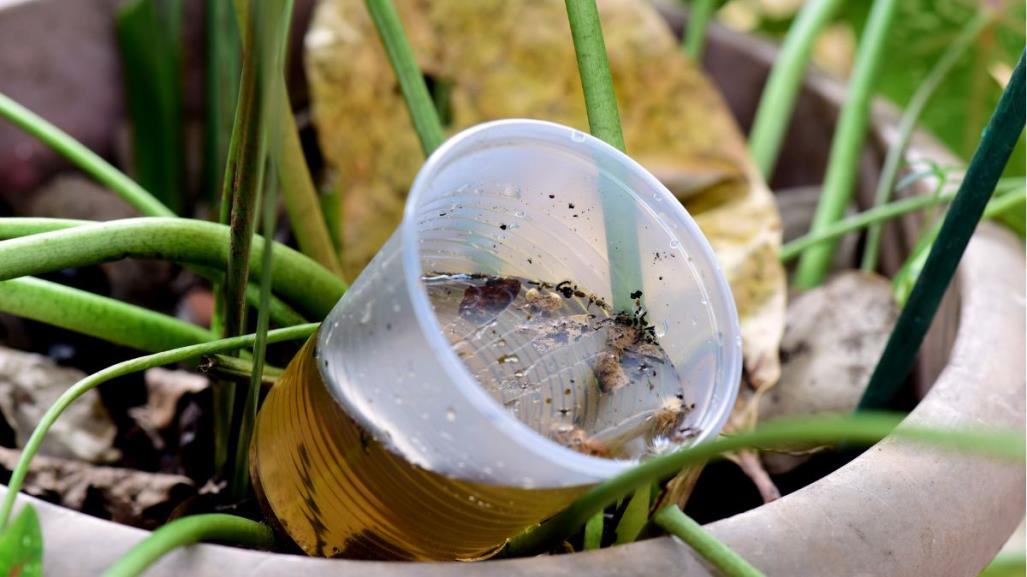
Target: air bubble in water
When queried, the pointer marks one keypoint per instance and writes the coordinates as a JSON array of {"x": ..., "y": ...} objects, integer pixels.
[
  {"x": 511, "y": 190},
  {"x": 450, "y": 415},
  {"x": 658, "y": 197},
  {"x": 368, "y": 311},
  {"x": 675, "y": 243},
  {"x": 519, "y": 213},
  {"x": 577, "y": 136}
]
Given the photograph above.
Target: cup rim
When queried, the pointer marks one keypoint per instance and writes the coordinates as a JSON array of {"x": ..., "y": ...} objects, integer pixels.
[{"x": 517, "y": 432}]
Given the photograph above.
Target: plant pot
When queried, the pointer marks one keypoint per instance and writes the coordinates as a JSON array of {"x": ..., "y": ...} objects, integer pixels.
[{"x": 894, "y": 511}]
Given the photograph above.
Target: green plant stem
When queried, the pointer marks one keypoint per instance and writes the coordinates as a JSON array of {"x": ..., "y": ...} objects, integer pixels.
[
  {"x": 281, "y": 313},
  {"x": 189, "y": 530},
  {"x": 717, "y": 554},
  {"x": 593, "y": 537},
  {"x": 910, "y": 118},
  {"x": 221, "y": 88},
  {"x": 244, "y": 178},
  {"x": 300, "y": 281},
  {"x": 885, "y": 212},
  {"x": 308, "y": 221},
  {"x": 594, "y": 68},
  {"x": 983, "y": 173},
  {"x": 411, "y": 81},
  {"x": 82, "y": 157},
  {"x": 905, "y": 278},
  {"x": 119, "y": 370},
  {"x": 270, "y": 21},
  {"x": 149, "y": 36},
  {"x": 96, "y": 316},
  {"x": 604, "y": 123},
  {"x": 698, "y": 19},
  {"x": 1011, "y": 564},
  {"x": 867, "y": 428},
  {"x": 847, "y": 143},
  {"x": 777, "y": 103},
  {"x": 224, "y": 366}
]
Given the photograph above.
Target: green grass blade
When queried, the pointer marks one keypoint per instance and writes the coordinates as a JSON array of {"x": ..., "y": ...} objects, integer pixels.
[
  {"x": 698, "y": 19},
  {"x": 97, "y": 316},
  {"x": 982, "y": 175},
  {"x": 300, "y": 281},
  {"x": 186, "y": 531},
  {"x": 717, "y": 554},
  {"x": 85, "y": 159},
  {"x": 594, "y": 68},
  {"x": 777, "y": 102},
  {"x": 149, "y": 37},
  {"x": 411, "y": 81},
  {"x": 847, "y": 144},
  {"x": 910, "y": 118},
  {"x": 864, "y": 429},
  {"x": 222, "y": 69}
]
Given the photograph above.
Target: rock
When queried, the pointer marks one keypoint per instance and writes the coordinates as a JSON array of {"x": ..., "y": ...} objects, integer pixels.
[
  {"x": 29, "y": 384},
  {"x": 833, "y": 338}
]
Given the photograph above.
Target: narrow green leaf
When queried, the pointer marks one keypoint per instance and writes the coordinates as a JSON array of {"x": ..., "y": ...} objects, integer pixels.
[
  {"x": 777, "y": 103},
  {"x": 961, "y": 220},
  {"x": 21, "y": 546},
  {"x": 411, "y": 81},
  {"x": 635, "y": 516},
  {"x": 847, "y": 143},
  {"x": 186, "y": 531},
  {"x": 698, "y": 19},
  {"x": 593, "y": 538},
  {"x": 717, "y": 554},
  {"x": 149, "y": 37}
]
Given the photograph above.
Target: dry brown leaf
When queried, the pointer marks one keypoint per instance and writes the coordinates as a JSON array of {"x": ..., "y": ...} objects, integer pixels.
[
  {"x": 29, "y": 385},
  {"x": 164, "y": 388},
  {"x": 125, "y": 496},
  {"x": 516, "y": 59}
]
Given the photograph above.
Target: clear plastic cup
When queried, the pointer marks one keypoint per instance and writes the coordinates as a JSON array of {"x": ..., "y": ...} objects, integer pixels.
[{"x": 389, "y": 446}]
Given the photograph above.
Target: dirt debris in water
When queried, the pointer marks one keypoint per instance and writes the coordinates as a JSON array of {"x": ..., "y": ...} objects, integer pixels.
[{"x": 564, "y": 363}]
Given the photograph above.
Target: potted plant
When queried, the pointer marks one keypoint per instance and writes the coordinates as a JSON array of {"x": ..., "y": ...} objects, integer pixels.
[{"x": 871, "y": 500}]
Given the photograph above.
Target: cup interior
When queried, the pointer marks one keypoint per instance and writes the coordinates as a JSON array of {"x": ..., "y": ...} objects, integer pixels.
[{"x": 541, "y": 202}]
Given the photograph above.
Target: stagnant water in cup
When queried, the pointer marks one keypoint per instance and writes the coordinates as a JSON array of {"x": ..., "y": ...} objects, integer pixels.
[{"x": 563, "y": 363}]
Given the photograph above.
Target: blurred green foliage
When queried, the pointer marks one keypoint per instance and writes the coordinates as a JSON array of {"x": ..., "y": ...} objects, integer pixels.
[{"x": 922, "y": 30}]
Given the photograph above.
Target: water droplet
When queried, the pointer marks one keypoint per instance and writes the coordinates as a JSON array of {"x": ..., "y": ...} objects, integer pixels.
[
  {"x": 519, "y": 213},
  {"x": 703, "y": 300},
  {"x": 450, "y": 414},
  {"x": 738, "y": 341},
  {"x": 657, "y": 197},
  {"x": 577, "y": 136},
  {"x": 510, "y": 190},
  {"x": 675, "y": 243},
  {"x": 368, "y": 311}
]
